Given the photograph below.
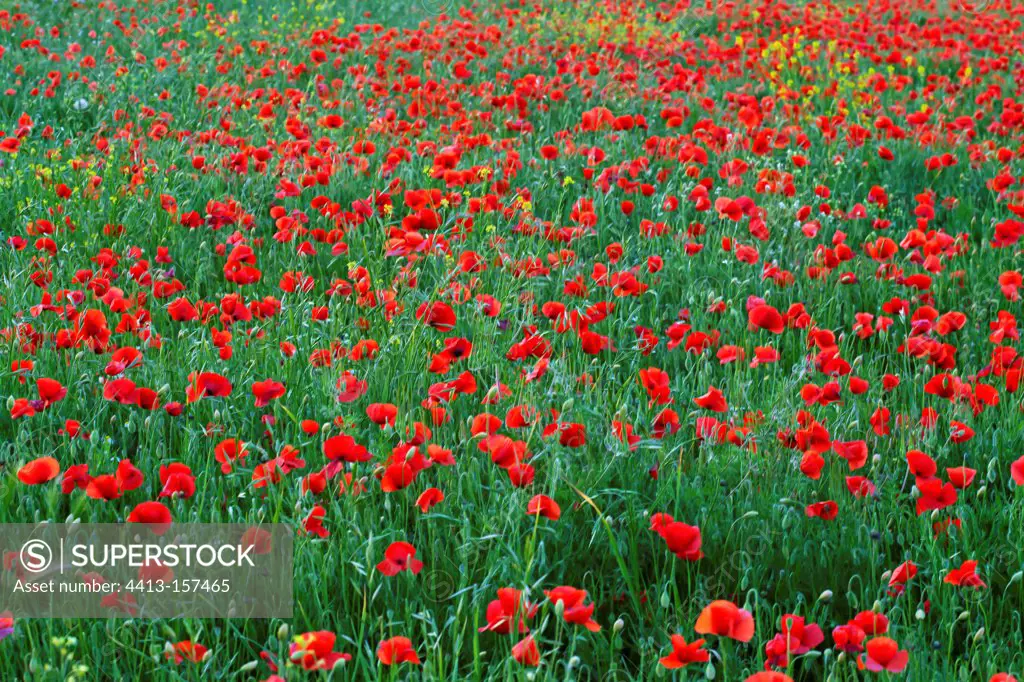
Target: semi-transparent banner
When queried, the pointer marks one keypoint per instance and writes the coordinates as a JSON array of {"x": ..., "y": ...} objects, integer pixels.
[{"x": 146, "y": 571}]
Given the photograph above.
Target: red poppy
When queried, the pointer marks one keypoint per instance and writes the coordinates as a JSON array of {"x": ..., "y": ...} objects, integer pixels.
[
  {"x": 153, "y": 514},
  {"x": 765, "y": 317},
  {"x": 683, "y": 540},
  {"x": 229, "y": 452},
  {"x": 826, "y": 510},
  {"x": 38, "y": 471},
  {"x": 725, "y": 619},
  {"x": 542, "y": 505},
  {"x": 713, "y": 400},
  {"x": 508, "y": 612},
  {"x": 965, "y": 576},
  {"x": 398, "y": 557},
  {"x": 315, "y": 651},
  {"x": 265, "y": 391},
  {"x": 207, "y": 384},
  {"x": 884, "y": 654},
  {"x": 438, "y": 315},
  {"x": 684, "y": 653},
  {"x": 186, "y": 650},
  {"x": 525, "y": 652},
  {"x": 397, "y": 650},
  {"x": 574, "y": 611},
  {"x": 428, "y": 498},
  {"x": 76, "y": 476},
  {"x": 382, "y": 414}
]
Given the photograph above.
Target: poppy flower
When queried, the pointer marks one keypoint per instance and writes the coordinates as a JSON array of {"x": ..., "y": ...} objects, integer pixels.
[
  {"x": 965, "y": 576},
  {"x": 315, "y": 651},
  {"x": 39, "y": 471},
  {"x": 229, "y": 452},
  {"x": 960, "y": 477},
  {"x": 398, "y": 557},
  {"x": 849, "y": 638},
  {"x": 314, "y": 522},
  {"x": 50, "y": 391},
  {"x": 508, "y": 612},
  {"x": 207, "y": 385},
  {"x": 574, "y": 610},
  {"x": 825, "y": 511},
  {"x": 725, "y": 619},
  {"x": 128, "y": 476},
  {"x": 75, "y": 477},
  {"x": 177, "y": 480},
  {"x": 397, "y": 650},
  {"x": 769, "y": 676},
  {"x": 103, "y": 487},
  {"x": 193, "y": 652},
  {"x": 884, "y": 654},
  {"x": 438, "y": 315},
  {"x": 153, "y": 514},
  {"x": 802, "y": 636},
  {"x": 871, "y": 623},
  {"x": 344, "y": 448},
  {"x": 684, "y": 653},
  {"x": 382, "y": 414},
  {"x": 713, "y": 400},
  {"x": 428, "y": 498},
  {"x": 765, "y": 317},
  {"x": 542, "y": 505},
  {"x": 525, "y": 652},
  {"x": 265, "y": 391},
  {"x": 683, "y": 540},
  {"x": 935, "y": 495},
  {"x": 1017, "y": 471}
]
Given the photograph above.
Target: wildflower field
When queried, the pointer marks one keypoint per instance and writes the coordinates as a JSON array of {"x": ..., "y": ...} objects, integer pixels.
[{"x": 595, "y": 340}]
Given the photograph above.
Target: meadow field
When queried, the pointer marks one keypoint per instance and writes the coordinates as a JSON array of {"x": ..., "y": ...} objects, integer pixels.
[{"x": 595, "y": 340}]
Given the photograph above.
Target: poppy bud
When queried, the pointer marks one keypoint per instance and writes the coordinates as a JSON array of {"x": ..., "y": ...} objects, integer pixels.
[
  {"x": 709, "y": 672},
  {"x": 10, "y": 403},
  {"x": 574, "y": 662},
  {"x": 982, "y": 490},
  {"x": 841, "y": 658},
  {"x": 825, "y": 596},
  {"x": 1016, "y": 577},
  {"x": 964, "y": 615},
  {"x": 249, "y": 667},
  {"x": 919, "y": 614},
  {"x": 618, "y": 625},
  {"x": 559, "y": 608},
  {"x": 877, "y": 607},
  {"x": 282, "y": 632},
  {"x": 979, "y": 635},
  {"x": 665, "y": 600}
]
